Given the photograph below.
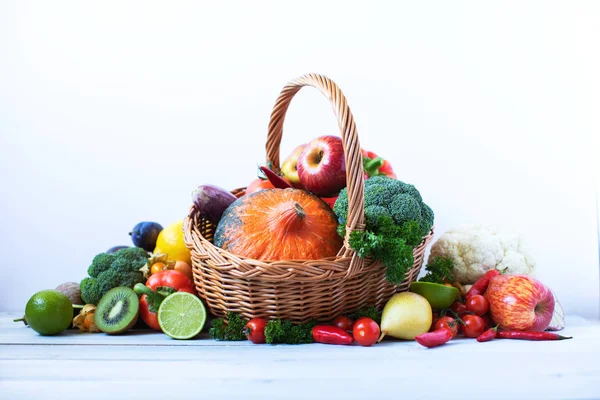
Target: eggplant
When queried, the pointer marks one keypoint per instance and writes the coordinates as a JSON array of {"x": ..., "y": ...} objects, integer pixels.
[{"x": 211, "y": 201}]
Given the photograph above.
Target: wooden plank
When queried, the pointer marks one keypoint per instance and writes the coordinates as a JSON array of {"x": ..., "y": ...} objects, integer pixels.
[{"x": 150, "y": 365}]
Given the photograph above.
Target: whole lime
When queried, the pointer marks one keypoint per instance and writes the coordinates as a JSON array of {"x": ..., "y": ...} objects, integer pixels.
[{"x": 49, "y": 312}]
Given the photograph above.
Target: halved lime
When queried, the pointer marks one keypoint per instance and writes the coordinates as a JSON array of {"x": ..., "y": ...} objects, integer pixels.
[
  {"x": 439, "y": 296},
  {"x": 181, "y": 315}
]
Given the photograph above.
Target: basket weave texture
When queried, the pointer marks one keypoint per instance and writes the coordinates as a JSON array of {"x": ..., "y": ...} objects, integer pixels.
[{"x": 305, "y": 289}]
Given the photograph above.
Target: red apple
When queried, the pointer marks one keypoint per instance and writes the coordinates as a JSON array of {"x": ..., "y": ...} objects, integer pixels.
[
  {"x": 289, "y": 168},
  {"x": 520, "y": 302},
  {"x": 322, "y": 166}
]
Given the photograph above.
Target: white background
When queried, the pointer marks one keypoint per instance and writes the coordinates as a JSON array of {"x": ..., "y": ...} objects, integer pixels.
[{"x": 111, "y": 113}]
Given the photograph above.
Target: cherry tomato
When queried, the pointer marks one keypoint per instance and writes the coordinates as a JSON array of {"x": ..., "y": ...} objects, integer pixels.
[
  {"x": 474, "y": 325},
  {"x": 489, "y": 323},
  {"x": 259, "y": 184},
  {"x": 459, "y": 308},
  {"x": 342, "y": 322},
  {"x": 448, "y": 323},
  {"x": 366, "y": 331},
  {"x": 255, "y": 330},
  {"x": 477, "y": 304}
]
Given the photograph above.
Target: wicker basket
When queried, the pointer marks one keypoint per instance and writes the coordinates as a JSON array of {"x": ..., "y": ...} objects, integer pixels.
[{"x": 296, "y": 290}]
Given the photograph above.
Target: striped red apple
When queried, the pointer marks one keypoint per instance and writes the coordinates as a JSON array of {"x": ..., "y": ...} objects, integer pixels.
[{"x": 520, "y": 302}]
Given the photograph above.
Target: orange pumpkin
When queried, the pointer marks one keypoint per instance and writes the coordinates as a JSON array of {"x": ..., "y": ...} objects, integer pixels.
[{"x": 279, "y": 224}]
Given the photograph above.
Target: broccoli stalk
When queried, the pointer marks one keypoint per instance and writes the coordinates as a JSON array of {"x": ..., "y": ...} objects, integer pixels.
[{"x": 109, "y": 271}]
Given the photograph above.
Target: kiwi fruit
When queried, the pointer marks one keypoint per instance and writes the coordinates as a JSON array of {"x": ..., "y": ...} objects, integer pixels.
[{"x": 117, "y": 311}]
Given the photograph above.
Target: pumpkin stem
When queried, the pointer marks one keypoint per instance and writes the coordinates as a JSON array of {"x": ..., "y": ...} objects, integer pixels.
[
  {"x": 292, "y": 217},
  {"x": 299, "y": 210}
]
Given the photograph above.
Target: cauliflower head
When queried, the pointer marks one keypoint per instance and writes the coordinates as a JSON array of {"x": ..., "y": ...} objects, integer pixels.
[{"x": 476, "y": 249}]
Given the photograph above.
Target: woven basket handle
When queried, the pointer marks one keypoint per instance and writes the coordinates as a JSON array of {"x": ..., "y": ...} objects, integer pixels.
[{"x": 354, "y": 163}]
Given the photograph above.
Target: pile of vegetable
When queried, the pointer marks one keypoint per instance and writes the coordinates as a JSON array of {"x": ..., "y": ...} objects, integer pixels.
[
  {"x": 478, "y": 280},
  {"x": 108, "y": 271}
]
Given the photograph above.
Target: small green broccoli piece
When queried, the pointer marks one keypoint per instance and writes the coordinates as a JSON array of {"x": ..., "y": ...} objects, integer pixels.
[
  {"x": 132, "y": 257},
  {"x": 90, "y": 291},
  {"x": 100, "y": 263},
  {"x": 109, "y": 271}
]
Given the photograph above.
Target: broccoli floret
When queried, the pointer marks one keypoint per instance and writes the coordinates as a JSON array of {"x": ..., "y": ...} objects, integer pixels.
[
  {"x": 123, "y": 270},
  {"x": 132, "y": 256},
  {"x": 90, "y": 292},
  {"x": 400, "y": 200},
  {"x": 427, "y": 218},
  {"x": 373, "y": 213},
  {"x": 100, "y": 263}
]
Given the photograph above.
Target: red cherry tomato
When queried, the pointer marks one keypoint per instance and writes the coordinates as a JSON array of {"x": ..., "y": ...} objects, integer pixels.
[
  {"x": 366, "y": 331},
  {"x": 489, "y": 323},
  {"x": 343, "y": 322},
  {"x": 474, "y": 325},
  {"x": 477, "y": 304},
  {"x": 459, "y": 308},
  {"x": 448, "y": 323},
  {"x": 255, "y": 330}
]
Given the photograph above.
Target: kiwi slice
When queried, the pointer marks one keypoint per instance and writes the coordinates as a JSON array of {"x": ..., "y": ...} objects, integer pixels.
[{"x": 117, "y": 311}]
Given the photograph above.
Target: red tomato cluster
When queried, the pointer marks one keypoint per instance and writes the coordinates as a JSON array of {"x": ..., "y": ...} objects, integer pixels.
[{"x": 470, "y": 319}]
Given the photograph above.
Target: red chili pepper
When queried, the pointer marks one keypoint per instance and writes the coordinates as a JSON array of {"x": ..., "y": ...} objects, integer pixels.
[
  {"x": 524, "y": 335},
  {"x": 374, "y": 165},
  {"x": 331, "y": 335},
  {"x": 157, "y": 287},
  {"x": 482, "y": 283},
  {"x": 275, "y": 179},
  {"x": 435, "y": 338},
  {"x": 488, "y": 335}
]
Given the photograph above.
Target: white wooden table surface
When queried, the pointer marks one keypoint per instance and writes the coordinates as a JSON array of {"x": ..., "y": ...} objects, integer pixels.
[{"x": 146, "y": 365}]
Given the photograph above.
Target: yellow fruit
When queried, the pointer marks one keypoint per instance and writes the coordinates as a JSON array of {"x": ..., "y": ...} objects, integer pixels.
[
  {"x": 405, "y": 316},
  {"x": 157, "y": 267},
  {"x": 170, "y": 242}
]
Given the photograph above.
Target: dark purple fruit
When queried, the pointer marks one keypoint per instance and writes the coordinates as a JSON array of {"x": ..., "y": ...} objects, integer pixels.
[
  {"x": 211, "y": 201},
  {"x": 144, "y": 235}
]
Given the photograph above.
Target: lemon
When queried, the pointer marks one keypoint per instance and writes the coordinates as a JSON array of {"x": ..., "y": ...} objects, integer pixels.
[
  {"x": 439, "y": 296},
  {"x": 170, "y": 242}
]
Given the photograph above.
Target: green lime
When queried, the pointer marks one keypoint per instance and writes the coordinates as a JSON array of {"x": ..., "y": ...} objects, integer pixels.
[
  {"x": 49, "y": 312},
  {"x": 181, "y": 315},
  {"x": 439, "y": 296}
]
